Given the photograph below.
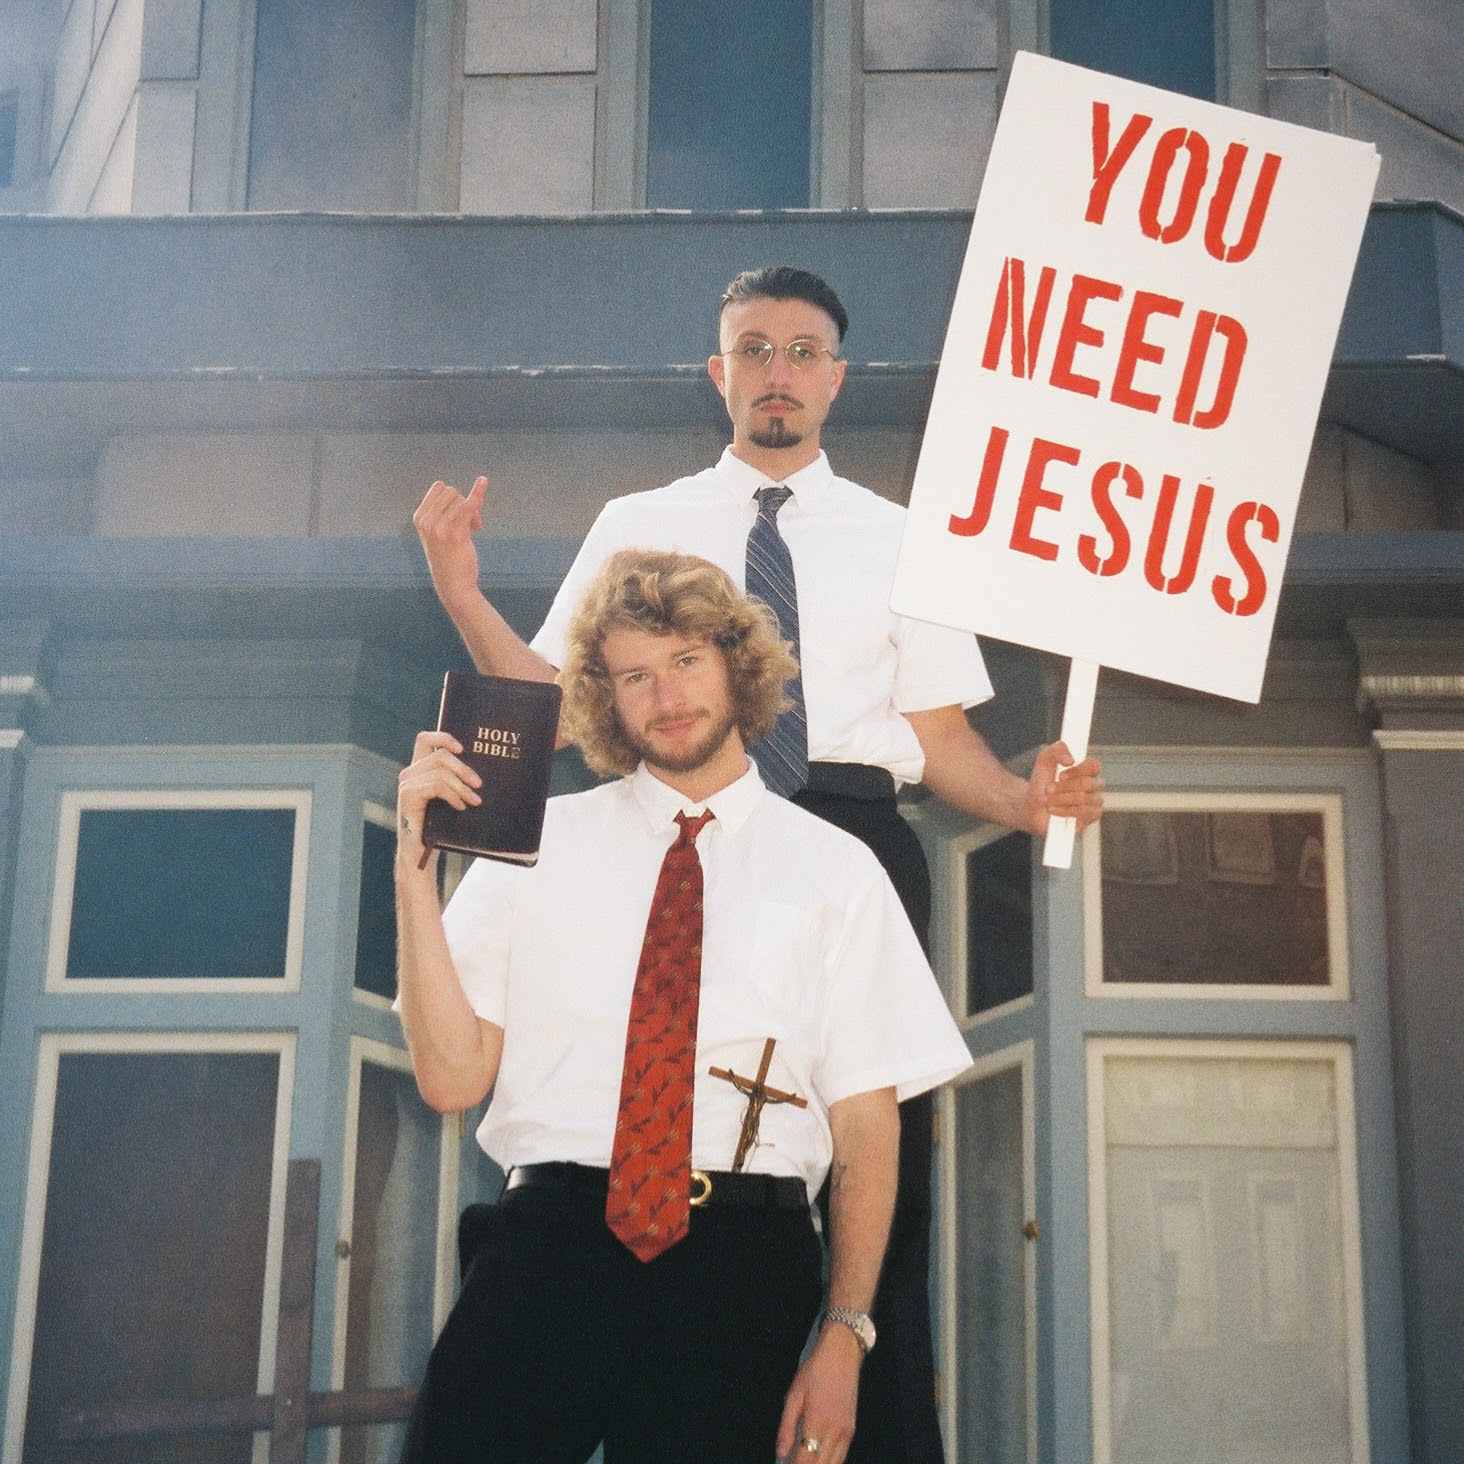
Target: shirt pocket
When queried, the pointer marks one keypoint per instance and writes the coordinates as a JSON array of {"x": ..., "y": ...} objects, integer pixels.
[{"x": 780, "y": 970}]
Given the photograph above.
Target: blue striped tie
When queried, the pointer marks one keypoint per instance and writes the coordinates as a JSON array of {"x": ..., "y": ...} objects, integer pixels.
[{"x": 781, "y": 756}]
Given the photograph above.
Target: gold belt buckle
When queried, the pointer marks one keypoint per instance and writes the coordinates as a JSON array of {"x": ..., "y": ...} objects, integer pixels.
[{"x": 705, "y": 1180}]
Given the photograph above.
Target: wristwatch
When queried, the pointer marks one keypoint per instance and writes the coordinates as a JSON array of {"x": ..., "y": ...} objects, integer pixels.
[{"x": 856, "y": 1321}]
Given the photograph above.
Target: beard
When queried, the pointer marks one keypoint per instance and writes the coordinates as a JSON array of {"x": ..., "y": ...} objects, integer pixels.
[
  {"x": 776, "y": 434},
  {"x": 689, "y": 758}
]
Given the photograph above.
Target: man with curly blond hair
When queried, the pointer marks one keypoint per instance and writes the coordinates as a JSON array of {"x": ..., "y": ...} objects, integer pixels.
[
  {"x": 582, "y": 1321},
  {"x": 666, "y": 594}
]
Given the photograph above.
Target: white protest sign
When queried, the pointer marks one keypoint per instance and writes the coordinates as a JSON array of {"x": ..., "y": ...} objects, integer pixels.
[{"x": 1131, "y": 378}]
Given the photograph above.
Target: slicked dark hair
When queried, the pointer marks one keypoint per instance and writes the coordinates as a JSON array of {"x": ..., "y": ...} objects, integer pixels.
[{"x": 783, "y": 282}]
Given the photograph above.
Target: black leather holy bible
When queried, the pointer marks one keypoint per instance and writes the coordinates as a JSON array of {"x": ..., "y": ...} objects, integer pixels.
[{"x": 507, "y": 729}]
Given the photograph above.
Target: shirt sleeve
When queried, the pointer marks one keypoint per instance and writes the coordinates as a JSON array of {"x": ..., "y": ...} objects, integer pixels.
[
  {"x": 886, "y": 1023},
  {"x": 478, "y": 922},
  {"x": 937, "y": 666}
]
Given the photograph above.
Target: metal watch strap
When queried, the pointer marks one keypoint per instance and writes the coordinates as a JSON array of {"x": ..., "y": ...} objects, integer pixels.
[{"x": 861, "y": 1325}]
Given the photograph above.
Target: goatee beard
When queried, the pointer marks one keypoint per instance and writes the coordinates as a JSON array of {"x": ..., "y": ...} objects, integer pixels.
[{"x": 775, "y": 434}]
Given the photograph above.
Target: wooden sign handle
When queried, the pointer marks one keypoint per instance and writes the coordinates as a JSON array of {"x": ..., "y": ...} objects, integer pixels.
[{"x": 1077, "y": 722}]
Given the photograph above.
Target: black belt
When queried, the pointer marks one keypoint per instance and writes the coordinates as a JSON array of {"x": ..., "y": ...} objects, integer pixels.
[
  {"x": 750, "y": 1191},
  {"x": 851, "y": 780}
]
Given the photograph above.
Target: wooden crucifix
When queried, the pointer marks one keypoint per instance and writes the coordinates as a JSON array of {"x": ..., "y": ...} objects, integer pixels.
[{"x": 758, "y": 1096}]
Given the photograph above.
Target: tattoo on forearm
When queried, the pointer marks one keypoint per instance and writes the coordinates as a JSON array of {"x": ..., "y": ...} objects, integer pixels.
[
  {"x": 405, "y": 824},
  {"x": 836, "y": 1176}
]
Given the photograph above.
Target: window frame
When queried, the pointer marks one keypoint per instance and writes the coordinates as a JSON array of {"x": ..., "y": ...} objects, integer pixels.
[
  {"x": 73, "y": 802},
  {"x": 961, "y": 847},
  {"x": 1020, "y": 1055},
  {"x": 50, "y": 1048},
  {"x": 382, "y": 817},
  {"x": 453, "y": 866},
  {"x": 622, "y": 125},
  {"x": 364, "y": 1050},
  {"x": 1097, "y": 1049},
  {"x": 1330, "y": 805}
]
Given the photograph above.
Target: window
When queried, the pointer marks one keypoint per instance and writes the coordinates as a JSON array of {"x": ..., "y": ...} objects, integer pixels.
[
  {"x": 332, "y": 116},
  {"x": 1167, "y": 43},
  {"x": 731, "y": 101},
  {"x": 376, "y": 908},
  {"x": 1217, "y": 895},
  {"x": 998, "y": 923},
  {"x": 396, "y": 1255},
  {"x": 151, "y": 1249},
  {"x": 989, "y": 1341},
  {"x": 376, "y": 931},
  {"x": 179, "y": 891},
  {"x": 1226, "y": 1255}
]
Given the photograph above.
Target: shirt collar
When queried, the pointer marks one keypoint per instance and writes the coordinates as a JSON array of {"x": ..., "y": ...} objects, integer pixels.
[
  {"x": 732, "y": 805},
  {"x": 743, "y": 480}
]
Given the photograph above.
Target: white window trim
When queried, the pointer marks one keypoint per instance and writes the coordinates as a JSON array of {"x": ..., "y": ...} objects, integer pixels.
[
  {"x": 365, "y": 1049},
  {"x": 51, "y": 1048},
  {"x": 1020, "y": 1055},
  {"x": 1329, "y": 805},
  {"x": 1408, "y": 739},
  {"x": 1098, "y": 1050},
  {"x": 77, "y": 800}
]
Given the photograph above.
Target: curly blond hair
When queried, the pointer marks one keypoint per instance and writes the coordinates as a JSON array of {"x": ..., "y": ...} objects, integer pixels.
[{"x": 669, "y": 594}]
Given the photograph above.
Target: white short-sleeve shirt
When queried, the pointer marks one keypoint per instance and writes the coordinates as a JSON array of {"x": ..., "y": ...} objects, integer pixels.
[
  {"x": 863, "y": 665},
  {"x": 804, "y": 941}
]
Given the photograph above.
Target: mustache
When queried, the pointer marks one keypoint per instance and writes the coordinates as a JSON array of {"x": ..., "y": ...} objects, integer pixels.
[{"x": 778, "y": 396}]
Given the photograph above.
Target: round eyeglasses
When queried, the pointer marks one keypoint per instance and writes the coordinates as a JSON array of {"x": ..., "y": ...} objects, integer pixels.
[{"x": 799, "y": 354}]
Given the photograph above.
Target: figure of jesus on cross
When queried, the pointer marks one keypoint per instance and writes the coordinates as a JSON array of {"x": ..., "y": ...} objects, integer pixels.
[{"x": 758, "y": 1095}]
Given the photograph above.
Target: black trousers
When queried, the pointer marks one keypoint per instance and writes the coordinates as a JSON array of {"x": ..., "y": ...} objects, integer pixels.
[
  {"x": 561, "y": 1339},
  {"x": 897, "y": 1421}
]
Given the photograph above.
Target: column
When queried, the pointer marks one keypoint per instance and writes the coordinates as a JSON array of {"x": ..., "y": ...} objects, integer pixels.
[{"x": 1412, "y": 676}]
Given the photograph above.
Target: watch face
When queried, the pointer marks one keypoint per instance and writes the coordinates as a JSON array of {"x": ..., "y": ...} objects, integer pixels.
[{"x": 866, "y": 1332}]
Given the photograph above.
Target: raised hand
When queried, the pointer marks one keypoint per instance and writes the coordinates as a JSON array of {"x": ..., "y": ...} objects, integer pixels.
[{"x": 446, "y": 521}]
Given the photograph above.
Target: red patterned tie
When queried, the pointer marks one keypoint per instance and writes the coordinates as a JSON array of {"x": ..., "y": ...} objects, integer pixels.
[{"x": 649, "y": 1202}]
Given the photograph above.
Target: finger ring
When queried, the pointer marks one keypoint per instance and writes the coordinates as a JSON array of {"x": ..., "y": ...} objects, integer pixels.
[{"x": 812, "y": 1445}]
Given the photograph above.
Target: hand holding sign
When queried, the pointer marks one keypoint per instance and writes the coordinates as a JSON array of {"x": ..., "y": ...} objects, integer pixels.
[
  {"x": 1125, "y": 404},
  {"x": 1077, "y": 721}
]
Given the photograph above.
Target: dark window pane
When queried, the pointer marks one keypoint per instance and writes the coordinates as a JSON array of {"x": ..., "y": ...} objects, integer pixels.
[
  {"x": 1168, "y": 43},
  {"x": 376, "y": 918},
  {"x": 1228, "y": 898},
  {"x": 152, "y": 1262},
  {"x": 991, "y": 1316},
  {"x": 998, "y": 923},
  {"x": 179, "y": 892},
  {"x": 331, "y": 124},
  {"x": 731, "y": 96},
  {"x": 393, "y": 1249}
]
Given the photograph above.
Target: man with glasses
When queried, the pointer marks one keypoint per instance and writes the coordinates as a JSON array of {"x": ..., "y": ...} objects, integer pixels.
[{"x": 881, "y": 700}]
